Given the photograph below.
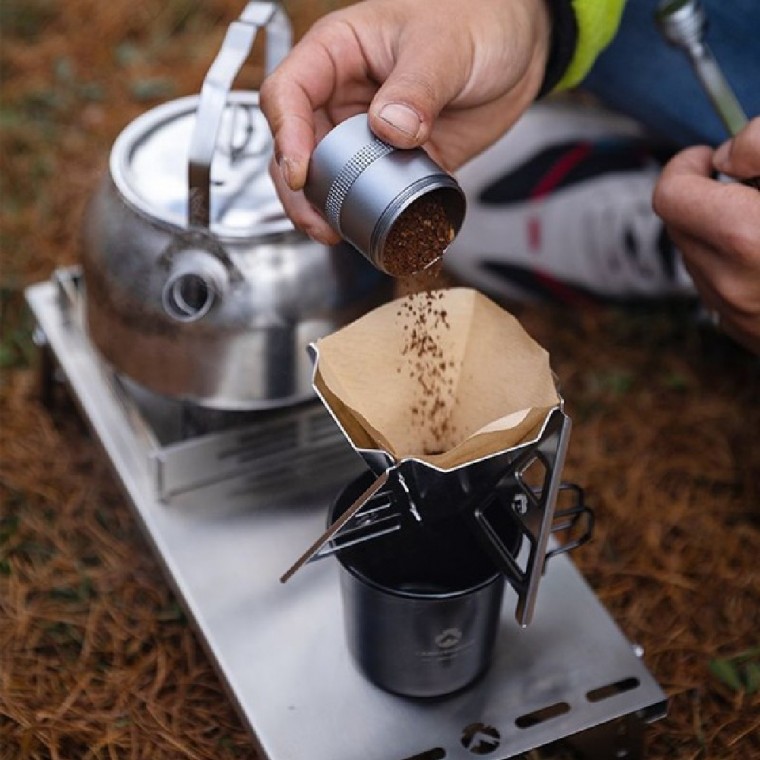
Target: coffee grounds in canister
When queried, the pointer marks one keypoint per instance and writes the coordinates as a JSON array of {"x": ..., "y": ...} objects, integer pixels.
[{"x": 418, "y": 237}]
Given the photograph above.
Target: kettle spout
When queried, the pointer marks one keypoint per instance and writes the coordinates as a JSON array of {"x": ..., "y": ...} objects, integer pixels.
[{"x": 196, "y": 282}]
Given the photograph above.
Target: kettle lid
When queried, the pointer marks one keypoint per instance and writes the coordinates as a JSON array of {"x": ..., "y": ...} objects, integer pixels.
[{"x": 149, "y": 166}]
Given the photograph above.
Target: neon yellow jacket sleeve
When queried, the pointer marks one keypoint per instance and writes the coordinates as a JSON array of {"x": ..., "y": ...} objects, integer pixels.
[{"x": 598, "y": 21}]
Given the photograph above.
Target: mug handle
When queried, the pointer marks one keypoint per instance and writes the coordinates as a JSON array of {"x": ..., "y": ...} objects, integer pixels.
[{"x": 233, "y": 53}]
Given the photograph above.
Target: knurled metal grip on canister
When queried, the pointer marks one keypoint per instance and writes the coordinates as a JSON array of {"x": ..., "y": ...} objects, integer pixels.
[{"x": 362, "y": 186}]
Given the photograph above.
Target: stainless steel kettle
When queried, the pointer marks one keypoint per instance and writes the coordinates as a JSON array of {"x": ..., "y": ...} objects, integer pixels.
[{"x": 197, "y": 284}]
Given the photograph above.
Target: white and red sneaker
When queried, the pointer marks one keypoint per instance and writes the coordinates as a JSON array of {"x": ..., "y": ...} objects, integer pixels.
[{"x": 561, "y": 208}]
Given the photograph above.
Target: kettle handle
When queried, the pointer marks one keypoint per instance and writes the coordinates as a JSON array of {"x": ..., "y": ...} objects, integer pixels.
[{"x": 233, "y": 53}]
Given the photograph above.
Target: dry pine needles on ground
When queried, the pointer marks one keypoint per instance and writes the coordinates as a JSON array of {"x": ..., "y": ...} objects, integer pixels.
[{"x": 96, "y": 657}]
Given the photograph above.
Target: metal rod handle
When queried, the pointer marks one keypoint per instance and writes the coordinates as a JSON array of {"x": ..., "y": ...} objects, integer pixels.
[
  {"x": 683, "y": 24},
  {"x": 233, "y": 53}
]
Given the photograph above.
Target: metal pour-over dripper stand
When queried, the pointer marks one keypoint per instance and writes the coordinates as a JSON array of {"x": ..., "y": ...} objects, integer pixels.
[{"x": 509, "y": 500}]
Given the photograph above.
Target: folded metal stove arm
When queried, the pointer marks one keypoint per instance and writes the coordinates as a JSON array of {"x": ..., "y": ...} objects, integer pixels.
[{"x": 531, "y": 510}]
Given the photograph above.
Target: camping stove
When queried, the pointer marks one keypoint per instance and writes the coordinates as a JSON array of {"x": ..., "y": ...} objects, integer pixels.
[{"x": 228, "y": 499}]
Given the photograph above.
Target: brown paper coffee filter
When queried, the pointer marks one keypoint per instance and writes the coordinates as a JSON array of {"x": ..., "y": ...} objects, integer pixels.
[{"x": 446, "y": 377}]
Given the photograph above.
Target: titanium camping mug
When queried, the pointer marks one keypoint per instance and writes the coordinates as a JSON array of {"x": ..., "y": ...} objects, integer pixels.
[{"x": 421, "y": 606}]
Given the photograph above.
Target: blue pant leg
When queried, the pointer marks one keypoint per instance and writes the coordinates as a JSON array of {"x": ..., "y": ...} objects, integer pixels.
[{"x": 643, "y": 76}]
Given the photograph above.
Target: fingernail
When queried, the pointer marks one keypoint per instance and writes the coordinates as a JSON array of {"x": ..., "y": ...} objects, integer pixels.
[
  {"x": 722, "y": 155},
  {"x": 286, "y": 169},
  {"x": 401, "y": 117}
]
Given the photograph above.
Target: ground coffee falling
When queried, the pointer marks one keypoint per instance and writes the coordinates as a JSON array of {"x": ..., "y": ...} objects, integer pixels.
[
  {"x": 418, "y": 238},
  {"x": 413, "y": 252},
  {"x": 425, "y": 323}
]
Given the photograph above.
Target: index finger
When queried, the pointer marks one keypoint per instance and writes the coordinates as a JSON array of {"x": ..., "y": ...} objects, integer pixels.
[
  {"x": 288, "y": 98},
  {"x": 308, "y": 79}
]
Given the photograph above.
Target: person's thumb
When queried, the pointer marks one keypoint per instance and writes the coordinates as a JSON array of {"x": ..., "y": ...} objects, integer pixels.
[
  {"x": 421, "y": 84},
  {"x": 740, "y": 156}
]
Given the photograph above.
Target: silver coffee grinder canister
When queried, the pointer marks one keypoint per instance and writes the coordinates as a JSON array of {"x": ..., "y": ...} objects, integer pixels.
[{"x": 397, "y": 207}]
